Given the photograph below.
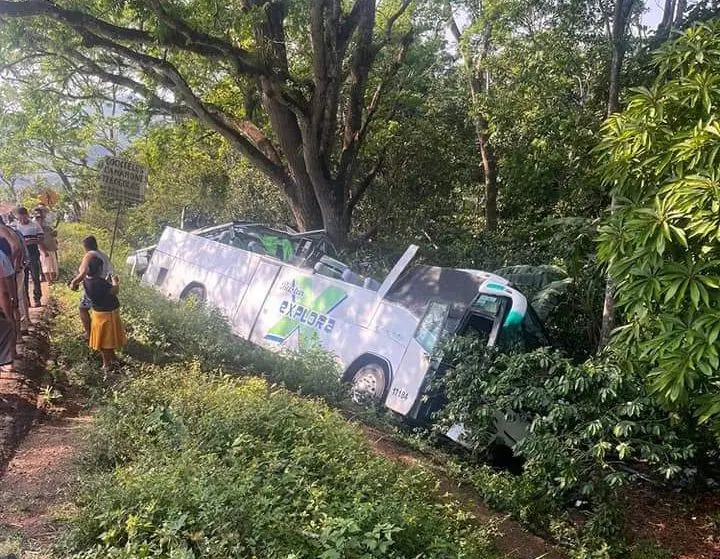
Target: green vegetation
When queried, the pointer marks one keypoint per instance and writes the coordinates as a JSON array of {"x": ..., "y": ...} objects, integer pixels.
[
  {"x": 493, "y": 133},
  {"x": 663, "y": 242},
  {"x": 188, "y": 461},
  {"x": 591, "y": 430},
  {"x": 196, "y": 465}
]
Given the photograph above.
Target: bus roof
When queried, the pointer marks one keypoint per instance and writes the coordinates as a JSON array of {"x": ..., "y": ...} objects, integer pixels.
[{"x": 421, "y": 284}]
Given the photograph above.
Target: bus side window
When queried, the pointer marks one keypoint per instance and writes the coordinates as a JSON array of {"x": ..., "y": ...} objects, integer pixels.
[
  {"x": 488, "y": 304},
  {"x": 430, "y": 327}
]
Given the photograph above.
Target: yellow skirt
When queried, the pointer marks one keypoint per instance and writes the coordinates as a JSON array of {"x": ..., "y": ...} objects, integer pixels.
[{"x": 106, "y": 331}]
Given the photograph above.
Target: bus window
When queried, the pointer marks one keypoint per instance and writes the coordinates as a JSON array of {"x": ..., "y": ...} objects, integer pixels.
[
  {"x": 487, "y": 304},
  {"x": 483, "y": 314},
  {"x": 533, "y": 332},
  {"x": 431, "y": 325},
  {"x": 529, "y": 335}
]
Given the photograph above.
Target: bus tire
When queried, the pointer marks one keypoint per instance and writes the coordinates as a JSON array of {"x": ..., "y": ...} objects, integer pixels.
[
  {"x": 195, "y": 291},
  {"x": 369, "y": 381}
]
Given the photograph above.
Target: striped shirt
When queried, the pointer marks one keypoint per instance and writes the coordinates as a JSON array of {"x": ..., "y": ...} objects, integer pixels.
[{"x": 31, "y": 231}]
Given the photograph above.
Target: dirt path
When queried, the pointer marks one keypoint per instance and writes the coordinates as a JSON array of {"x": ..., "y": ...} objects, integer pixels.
[
  {"x": 37, "y": 451},
  {"x": 35, "y": 487},
  {"x": 19, "y": 390}
]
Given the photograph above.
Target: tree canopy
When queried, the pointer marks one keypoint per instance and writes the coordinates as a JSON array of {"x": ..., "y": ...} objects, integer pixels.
[{"x": 294, "y": 87}]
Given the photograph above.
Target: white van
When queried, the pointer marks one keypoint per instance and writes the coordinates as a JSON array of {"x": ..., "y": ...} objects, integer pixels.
[{"x": 383, "y": 334}]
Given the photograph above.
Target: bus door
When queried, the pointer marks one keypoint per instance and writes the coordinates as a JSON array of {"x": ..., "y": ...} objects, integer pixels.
[
  {"x": 255, "y": 296},
  {"x": 483, "y": 318},
  {"x": 418, "y": 360}
]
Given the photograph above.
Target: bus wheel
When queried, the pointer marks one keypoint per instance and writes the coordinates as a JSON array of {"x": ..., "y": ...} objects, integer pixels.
[
  {"x": 194, "y": 291},
  {"x": 368, "y": 383}
]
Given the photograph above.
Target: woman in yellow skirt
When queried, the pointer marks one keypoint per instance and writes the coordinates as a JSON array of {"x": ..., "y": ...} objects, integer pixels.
[{"x": 106, "y": 331}]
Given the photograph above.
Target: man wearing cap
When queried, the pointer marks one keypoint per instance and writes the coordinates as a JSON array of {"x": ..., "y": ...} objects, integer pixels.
[{"x": 33, "y": 235}]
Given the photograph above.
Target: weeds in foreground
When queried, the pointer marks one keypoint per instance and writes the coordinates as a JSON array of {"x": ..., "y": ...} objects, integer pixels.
[{"x": 191, "y": 464}]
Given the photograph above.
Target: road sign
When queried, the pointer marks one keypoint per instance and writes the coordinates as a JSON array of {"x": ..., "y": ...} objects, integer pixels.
[{"x": 122, "y": 181}]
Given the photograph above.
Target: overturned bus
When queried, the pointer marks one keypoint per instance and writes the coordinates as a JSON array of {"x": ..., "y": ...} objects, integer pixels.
[{"x": 384, "y": 334}]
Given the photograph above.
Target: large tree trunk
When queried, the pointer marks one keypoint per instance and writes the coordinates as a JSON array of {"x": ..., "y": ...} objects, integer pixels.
[
  {"x": 304, "y": 207},
  {"x": 311, "y": 149},
  {"x": 621, "y": 14},
  {"x": 336, "y": 219}
]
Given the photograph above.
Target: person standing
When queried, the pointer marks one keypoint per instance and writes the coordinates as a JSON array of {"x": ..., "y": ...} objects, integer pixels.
[
  {"x": 48, "y": 259},
  {"x": 48, "y": 215},
  {"x": 106, "y": 331},
  {"x": 8, "y": 329},
  {"x": 18, "y": 254},
  {"x": 91, "y": 251},
  {"x": 33, "y": 235}
]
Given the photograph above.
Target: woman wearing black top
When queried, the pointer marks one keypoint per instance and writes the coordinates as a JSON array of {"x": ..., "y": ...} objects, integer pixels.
[{"x": 106, "y": 331}]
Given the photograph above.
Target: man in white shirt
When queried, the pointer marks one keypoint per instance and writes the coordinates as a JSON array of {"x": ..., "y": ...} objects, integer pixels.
[{"x": 33, "y": 235}]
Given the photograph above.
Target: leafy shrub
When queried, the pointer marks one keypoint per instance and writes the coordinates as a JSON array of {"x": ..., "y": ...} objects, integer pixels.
[
  {"x": 197, "y": 465},
  {"x": 591, "y": 427},
  {"x": 661, "y": 244},
  {"x": 175, "y": 331}
]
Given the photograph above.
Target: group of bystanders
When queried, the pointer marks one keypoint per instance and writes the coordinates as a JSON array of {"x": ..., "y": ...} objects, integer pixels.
[{"x": 28, "y": 250}]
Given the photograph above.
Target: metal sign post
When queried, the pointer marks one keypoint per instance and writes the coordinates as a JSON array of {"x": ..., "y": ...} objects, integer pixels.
[{"x": 122, "y": 182}]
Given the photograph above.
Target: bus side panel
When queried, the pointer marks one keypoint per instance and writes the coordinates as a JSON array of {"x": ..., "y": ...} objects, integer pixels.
[
  {"x": 398, "y": 324},
  {"x": 159, "y": 269},
  {"x": 184, "y": 259},
  {"x": 161, "y": 262},
  {"x": 257, "y": 292},
  {"x": 226, "y": 260},
  {"x": 304, "y": 308}
]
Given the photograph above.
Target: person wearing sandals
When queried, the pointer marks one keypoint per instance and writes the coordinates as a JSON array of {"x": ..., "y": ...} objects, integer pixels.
[{"x": 106, "y": 331}]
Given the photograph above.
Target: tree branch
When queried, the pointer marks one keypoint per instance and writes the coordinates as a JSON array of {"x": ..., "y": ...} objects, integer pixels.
[
  {"x": 205, "y": 44},
  {"x": 390, "y": 24},
  {"x": 375, "y": 101},
  {"x": 153, "y": 100},
  {"x": 356, "y": 130},
  {"x": 171, "y": 78},
  {"x": 363, "y": 186},
  {"x": 182, "y": 37},
  {"x": 363, "y": 58},
  {"x": 328, "y": 51}
]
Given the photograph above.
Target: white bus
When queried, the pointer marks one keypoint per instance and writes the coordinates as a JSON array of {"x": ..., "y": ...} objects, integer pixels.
[{"x": 384, "y": 335}]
